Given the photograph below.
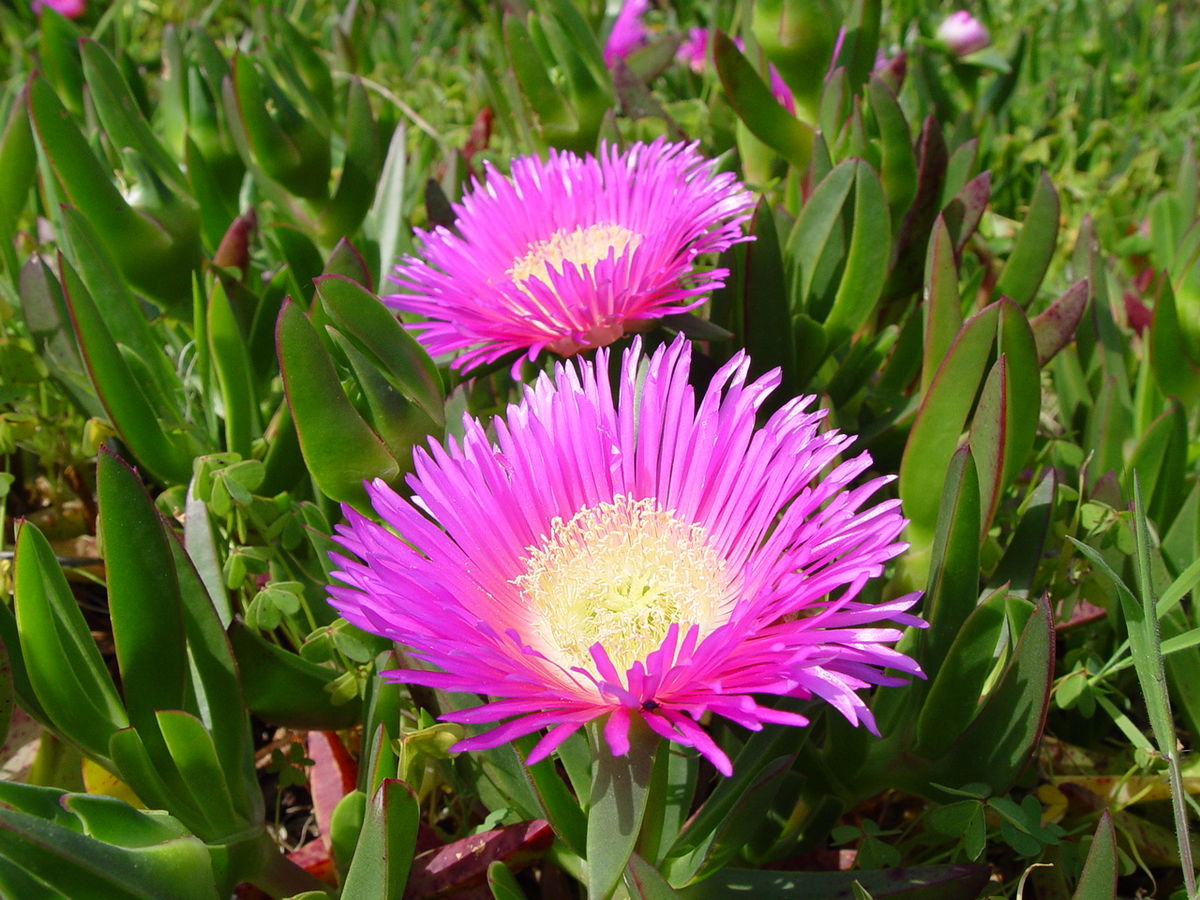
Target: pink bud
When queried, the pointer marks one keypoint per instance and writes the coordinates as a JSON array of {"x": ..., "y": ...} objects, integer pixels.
[
  {"x": 962, "y": 33},
  {"x": 71, "y": 9}
]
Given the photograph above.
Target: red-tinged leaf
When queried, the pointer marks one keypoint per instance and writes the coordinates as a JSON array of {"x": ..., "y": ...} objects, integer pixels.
[
  {"x": 1082, "y": 613},
  {"x": 912, "y": 237},
  {"x": 942, "y": 309},
  {"x": 964, "y": 212},
  {"x": 1023, "y": 395},
  {"x": 345, "y": 260},
  {"x": 333, "y": 774},
  {"x": 465, "y": 862},
  {"x": 1031, "y": 255},
  {"x": 119, "y": 389},
  {"x": 1054, "y": 327}
]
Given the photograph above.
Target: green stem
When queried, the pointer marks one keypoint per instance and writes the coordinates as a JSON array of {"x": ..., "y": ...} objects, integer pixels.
[
  {"x": 617, "y": 806},
  {"x": 280, "y": 877},
  {"x": 254, "y": 857}
]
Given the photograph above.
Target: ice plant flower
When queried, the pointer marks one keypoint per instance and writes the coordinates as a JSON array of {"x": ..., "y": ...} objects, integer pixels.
[
  {"x": 633, "y": 553},
  {"x": 571, "y": 252},
  {"x": 628, "y": 33},
  {"x": 962, "y": 33}
]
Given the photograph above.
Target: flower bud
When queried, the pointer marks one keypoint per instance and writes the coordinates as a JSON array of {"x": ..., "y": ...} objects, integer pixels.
[
  {"x": 962, "y": 33},
  {"x": 71, "y": 9}
]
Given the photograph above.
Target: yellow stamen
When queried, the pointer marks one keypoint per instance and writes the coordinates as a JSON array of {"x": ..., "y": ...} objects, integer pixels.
[
  {"x": 583, "y": 246},
  {"x": 621, "y": 573}
]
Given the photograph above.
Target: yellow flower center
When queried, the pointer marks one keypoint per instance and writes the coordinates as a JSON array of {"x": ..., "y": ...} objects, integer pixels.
[
  {"x": 583, "y": 246},
  {"x": 620, "y": 574}
]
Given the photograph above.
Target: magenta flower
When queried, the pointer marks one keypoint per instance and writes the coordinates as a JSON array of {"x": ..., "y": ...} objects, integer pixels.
[
  {"x": 71, "y": 9},
  {"x": 693, "y": 49},
  {"x": 628, "y": 33},
  {"x": 642, "y": 555},
  {"x": 572, "y": 252},
  {"x": 962, "y": 33}
]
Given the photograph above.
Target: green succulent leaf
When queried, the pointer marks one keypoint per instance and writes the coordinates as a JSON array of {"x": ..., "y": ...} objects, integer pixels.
[
  {"x": 66, "y": 672},
  {"x": 866, "y": 260},
  {"x": 144, "y": 598},
  {"x": 119, "y": 113},
  {"x": 1000, "y": 740},
  {"x": 132, "y": 414},
  {"x": 940, "y": 421},
  {"x": 81, "y": 866},
  {"x": 383, "y": 855},
  {"x": 942, "y": 310},
  {"x": 1099, "y": 877},
  {"x": 339, "y": 446},
  {"x": 752, "y": 100},
  {"x": 286, "y": 689},
  {"x": 1026, "y": 266},
  {"x": 376, "y": 333}
]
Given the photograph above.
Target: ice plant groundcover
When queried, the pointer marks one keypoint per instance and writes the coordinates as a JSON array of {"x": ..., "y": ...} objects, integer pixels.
[
  {"x": 199, "y": 208},
  {"x": 651, "y": 555}
]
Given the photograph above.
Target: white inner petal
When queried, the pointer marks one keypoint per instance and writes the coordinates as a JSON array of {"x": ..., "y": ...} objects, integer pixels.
[
  {"x": 585, "y": 245},
  {"x": 620, "y": 574}
]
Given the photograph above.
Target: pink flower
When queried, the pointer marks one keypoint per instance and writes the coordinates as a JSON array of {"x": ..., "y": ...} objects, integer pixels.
[
  {"x": 693, "y": 51},
  {"x": 638, "y": 555},
  {"x": 962, "y": 33},
  {"x": 71, "y": 9},
  {"x": 571, "y": 252},
  {"x": 628, "y": 33}
]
